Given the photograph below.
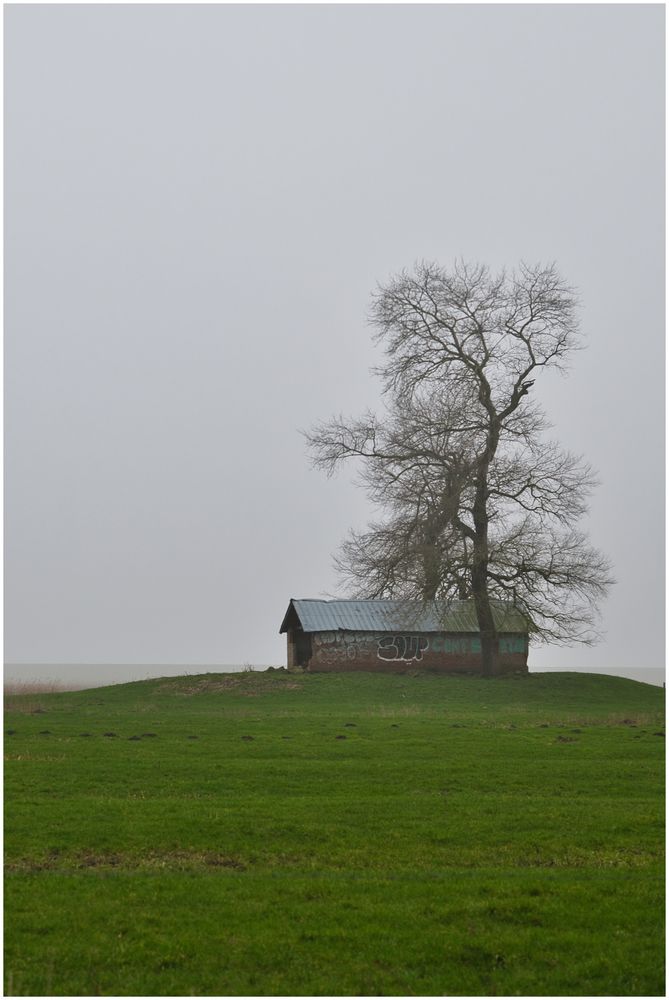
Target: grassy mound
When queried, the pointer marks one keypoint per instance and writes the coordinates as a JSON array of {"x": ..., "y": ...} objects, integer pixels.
[{"x": 272, "y": 833}]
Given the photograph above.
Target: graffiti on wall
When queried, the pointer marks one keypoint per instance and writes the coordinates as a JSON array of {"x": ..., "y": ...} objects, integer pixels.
[
  {"x": 402, "y": 647},
  {"x": 455, "y": 644},
  {"x": 512, "y": 644},
  {"x": 339, "y": 647},
  {"x": 472, "y": 644}
]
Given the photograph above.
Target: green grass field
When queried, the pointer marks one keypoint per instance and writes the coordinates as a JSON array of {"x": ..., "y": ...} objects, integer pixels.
[{"x": 347, "y": 834}]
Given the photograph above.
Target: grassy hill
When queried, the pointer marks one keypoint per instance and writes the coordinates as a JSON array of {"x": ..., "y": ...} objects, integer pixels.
[{"x": 280, "y": 834}]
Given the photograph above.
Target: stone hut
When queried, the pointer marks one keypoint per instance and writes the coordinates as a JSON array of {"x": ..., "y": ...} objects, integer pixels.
[{"x": 398, "y": 635}]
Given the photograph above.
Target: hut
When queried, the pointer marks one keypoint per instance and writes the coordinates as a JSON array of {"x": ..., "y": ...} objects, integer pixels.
[{"x": 398, "y": 635}]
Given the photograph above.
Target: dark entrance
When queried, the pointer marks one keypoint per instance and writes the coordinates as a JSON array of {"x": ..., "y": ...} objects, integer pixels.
[{"x": 302, "y": 648}]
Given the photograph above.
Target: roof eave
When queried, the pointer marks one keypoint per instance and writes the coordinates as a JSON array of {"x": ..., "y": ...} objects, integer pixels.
[{"x": 284, "y": 623}]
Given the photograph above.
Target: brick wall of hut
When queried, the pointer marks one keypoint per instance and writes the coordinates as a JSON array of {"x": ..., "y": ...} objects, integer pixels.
[{"x": 400, "y": 651}]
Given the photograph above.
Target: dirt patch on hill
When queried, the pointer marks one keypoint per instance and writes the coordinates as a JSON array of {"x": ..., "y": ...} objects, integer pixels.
[
  {"x": 245, "y": 684},
  {"x": 87, "y": 860}
]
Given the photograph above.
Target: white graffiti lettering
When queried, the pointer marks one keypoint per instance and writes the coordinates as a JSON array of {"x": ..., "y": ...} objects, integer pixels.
[{"x": 402, "y": 647}]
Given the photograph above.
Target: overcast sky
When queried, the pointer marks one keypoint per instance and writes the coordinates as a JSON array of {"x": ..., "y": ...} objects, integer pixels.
[{"x": 199, "y": 202}]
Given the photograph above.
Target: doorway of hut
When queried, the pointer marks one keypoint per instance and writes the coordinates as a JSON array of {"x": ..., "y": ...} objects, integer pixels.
[{"x": 302, "y": 648}]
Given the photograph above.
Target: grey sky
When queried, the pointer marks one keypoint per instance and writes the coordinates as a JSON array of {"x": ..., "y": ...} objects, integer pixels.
[{"x": 199, "y": 201}]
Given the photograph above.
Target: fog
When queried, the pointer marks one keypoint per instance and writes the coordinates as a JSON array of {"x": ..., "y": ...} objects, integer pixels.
[{"x": 199, "y": 203}]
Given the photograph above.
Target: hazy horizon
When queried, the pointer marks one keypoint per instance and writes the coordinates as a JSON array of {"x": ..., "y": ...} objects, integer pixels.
[{"x": 114, "y": 673}]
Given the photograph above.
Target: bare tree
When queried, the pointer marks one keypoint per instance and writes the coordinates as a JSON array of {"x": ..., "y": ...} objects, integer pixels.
[{"x": 476, "y": 502}]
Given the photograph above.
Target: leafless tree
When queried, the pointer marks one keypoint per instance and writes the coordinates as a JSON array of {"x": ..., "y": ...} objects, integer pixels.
[{"x": 475, "y": 501}]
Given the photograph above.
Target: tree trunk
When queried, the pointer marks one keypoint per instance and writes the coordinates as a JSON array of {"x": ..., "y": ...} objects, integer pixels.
[
  {"x": 431, "y": 565},
  {"x": 486, "y": 622},
  {"x": 487, "y": 630},
  {"x": 485, "y": 619}
]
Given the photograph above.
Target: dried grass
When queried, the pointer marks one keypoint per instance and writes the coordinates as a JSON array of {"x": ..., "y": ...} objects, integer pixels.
[
  {"x": 23, "y": 696},
  {"x": 14, "y": 687}
]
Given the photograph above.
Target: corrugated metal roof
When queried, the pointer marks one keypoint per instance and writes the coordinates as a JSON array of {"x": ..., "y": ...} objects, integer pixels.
[{"x": 391, "y": 616}]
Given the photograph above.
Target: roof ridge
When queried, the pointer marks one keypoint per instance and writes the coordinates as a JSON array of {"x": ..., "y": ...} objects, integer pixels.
[{"x": 397, "y": 600}]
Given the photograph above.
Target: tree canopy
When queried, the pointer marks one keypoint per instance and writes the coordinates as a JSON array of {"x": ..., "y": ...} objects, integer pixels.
[{"x": 477, "y": 502}]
